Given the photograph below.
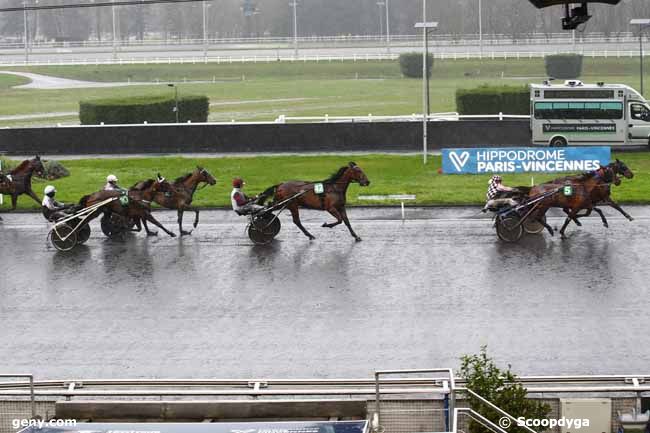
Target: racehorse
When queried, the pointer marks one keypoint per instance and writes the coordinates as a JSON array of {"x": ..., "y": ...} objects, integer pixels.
[
  {"x": 331, "y": 200},
  {"x": 180, "y": 194},
  {"x": 589, "y": 189},
  {"x": 19, "y": 180},
  {"x": 138, "y": 207}
]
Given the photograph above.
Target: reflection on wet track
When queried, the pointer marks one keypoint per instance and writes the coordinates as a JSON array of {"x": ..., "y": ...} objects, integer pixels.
[{"x": 418, "y": 293}]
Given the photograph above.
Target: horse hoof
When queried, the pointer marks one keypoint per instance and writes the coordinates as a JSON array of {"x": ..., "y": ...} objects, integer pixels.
[
  {"x": 196, "y": 224},
  {"x": 172, "y": 234},
  {"x": 631, "y": 219},
  {"x": 186, "y": 233},
  {"x": 358, "y": 239},
  {"x": 324, "y": 225},
  {"x": 312, "y": 238},
  {"x": 606, "y": 225}
]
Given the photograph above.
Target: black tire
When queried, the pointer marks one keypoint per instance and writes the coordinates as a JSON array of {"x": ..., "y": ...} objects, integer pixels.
[
  {"x": 259, "y": 237},
  {"x": 113, "y": 226},
  {"x": 268, "y": 224},
  {"x": 63, "y": 237},
  {"x": 83, "y": 234},
  {"x": 534, "y": 227},
  {"x": 558, "y": 142},
  {"x": 508, "y": 228}
]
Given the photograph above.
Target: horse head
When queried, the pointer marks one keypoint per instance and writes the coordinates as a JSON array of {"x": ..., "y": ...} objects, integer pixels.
[
  {"x": 205, "y": 176},
  {"x": 620, "y": 167},
  {"x": 37, "y": 166},
  {"x": 161, "y": 185},
  {"x": 357, "y": 175}
]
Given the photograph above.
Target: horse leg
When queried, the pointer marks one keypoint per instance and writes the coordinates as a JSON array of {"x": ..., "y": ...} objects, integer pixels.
[
  {"x": 570, "y": 217},
  {"x": 196, "y": 217},
  {"x": 615, "y": 205},
  {"x": 344, "y": 214},
  {"x": 146, "y": 228},
  {"x": 602, "y": 217},
  {"x": 152, "y": 220},
  {"x": 296, "y": 220},
  {"x": 33, "y": 195},
  {"x": 574, "y": 219},
  {"x": 335, "y": 213},
  {"x": 14, "y": 201},
  {"x": 180, "y": 223}
]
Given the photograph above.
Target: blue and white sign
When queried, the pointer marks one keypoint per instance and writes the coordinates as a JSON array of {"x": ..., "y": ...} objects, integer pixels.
[{"x": 523, "y": 159}]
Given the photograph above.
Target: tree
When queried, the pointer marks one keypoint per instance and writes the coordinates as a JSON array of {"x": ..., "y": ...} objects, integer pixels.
[{"x": 502, "y": 389}]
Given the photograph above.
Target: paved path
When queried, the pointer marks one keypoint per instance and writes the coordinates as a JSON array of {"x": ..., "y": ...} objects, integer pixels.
[{"x": 418, "y": 293}]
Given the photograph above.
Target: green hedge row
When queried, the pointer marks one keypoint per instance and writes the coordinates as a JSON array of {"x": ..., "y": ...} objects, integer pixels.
[
  {"x": 150, "y": 109},
  {"x": 411, "y": 64},
  {"x": 563, "y": 66},
  {"x": 493, "y": 100}
]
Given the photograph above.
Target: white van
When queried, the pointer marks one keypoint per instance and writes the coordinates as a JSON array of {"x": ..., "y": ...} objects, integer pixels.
[{"x": 575, "y": 113}]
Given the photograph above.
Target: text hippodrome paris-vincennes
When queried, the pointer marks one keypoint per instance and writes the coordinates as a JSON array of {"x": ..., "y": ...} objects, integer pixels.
[{"x": 548, "y": 160}]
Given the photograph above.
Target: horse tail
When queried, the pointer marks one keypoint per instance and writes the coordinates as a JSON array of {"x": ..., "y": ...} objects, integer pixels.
[{"x": 266, "y": 194}]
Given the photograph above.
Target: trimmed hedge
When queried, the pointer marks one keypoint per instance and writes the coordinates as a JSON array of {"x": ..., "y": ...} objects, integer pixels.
[
  {"x": 150, "y": 109},
  {"x": 493, "y": 100},
  {"x": 411, "y": 64},
  {"x": 563, "y": 66}
]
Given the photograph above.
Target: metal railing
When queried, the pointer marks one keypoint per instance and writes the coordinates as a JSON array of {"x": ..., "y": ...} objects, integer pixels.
[
  {"x": 282, "y": 119},
  {"x": 271, "y": 58},
  {"x": 30, "y": 391},
  {"x": 451, "y": 39}
]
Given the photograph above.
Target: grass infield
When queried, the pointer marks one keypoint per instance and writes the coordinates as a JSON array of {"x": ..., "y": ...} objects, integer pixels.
[
  {"x": 389, "y": 174},
  {"x": 263, "y": 91}
]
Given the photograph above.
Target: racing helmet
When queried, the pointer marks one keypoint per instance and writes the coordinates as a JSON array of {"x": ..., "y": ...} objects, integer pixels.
[
  {"x": 49, "y": 190},
  {"x": 111, "y": 178},
  {"x": 238, "y": 182},
  {"x": 496, "y": 178}
]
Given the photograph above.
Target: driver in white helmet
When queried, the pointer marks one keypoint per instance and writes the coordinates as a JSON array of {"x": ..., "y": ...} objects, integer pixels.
[
  {"x": 52, "y": 209},
  {"x": 111, "y": 183},
  {"x": 495, "y": 194}
]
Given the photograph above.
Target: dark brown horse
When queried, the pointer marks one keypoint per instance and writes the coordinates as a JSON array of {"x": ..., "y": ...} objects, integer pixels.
[
  {"x": 138, "y": 207},
  {"x": 19, "y": 180},
  {"x": 331, "y": 200},
  {"x": 588, "y": 191},
  {"x": 180, "y": 194}
]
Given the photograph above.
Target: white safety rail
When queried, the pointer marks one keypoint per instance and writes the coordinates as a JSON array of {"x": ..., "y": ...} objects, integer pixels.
[
  {"x": 448, "y": 39},
  {"x": 181, "y": 59},
  {"x": 282, "y": 119},
  {"x": 453, "y": 116}
]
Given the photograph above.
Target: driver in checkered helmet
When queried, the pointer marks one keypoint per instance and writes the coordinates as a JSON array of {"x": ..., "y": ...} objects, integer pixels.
[{"x": 497, "y": 194}]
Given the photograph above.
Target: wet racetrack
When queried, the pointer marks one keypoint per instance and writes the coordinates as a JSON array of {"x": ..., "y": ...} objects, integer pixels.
[{"x": 413, "y": 294}]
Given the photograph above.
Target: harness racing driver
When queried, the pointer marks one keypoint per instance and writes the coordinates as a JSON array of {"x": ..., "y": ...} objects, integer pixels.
[
  {"x": 52, "y": 209},
  {"x": 242, "y": 204},
  {"x": 496, "y": 192}
]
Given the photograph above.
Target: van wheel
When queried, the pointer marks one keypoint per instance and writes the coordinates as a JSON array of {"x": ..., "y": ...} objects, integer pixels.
[{"x": 558, "y": 142}]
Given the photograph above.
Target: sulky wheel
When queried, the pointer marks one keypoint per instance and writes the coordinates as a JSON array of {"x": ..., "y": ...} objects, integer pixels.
[
  {"x": 112, "y": 225},
  {"x": 534, "y": 227},
  {"x": 63, "y": 237},
  {"x": 268, "y": 224},
  {"x": 83, "y": 234},
  {"x": 259, "y": 237},
  {"x": 508, "y": 228}
]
